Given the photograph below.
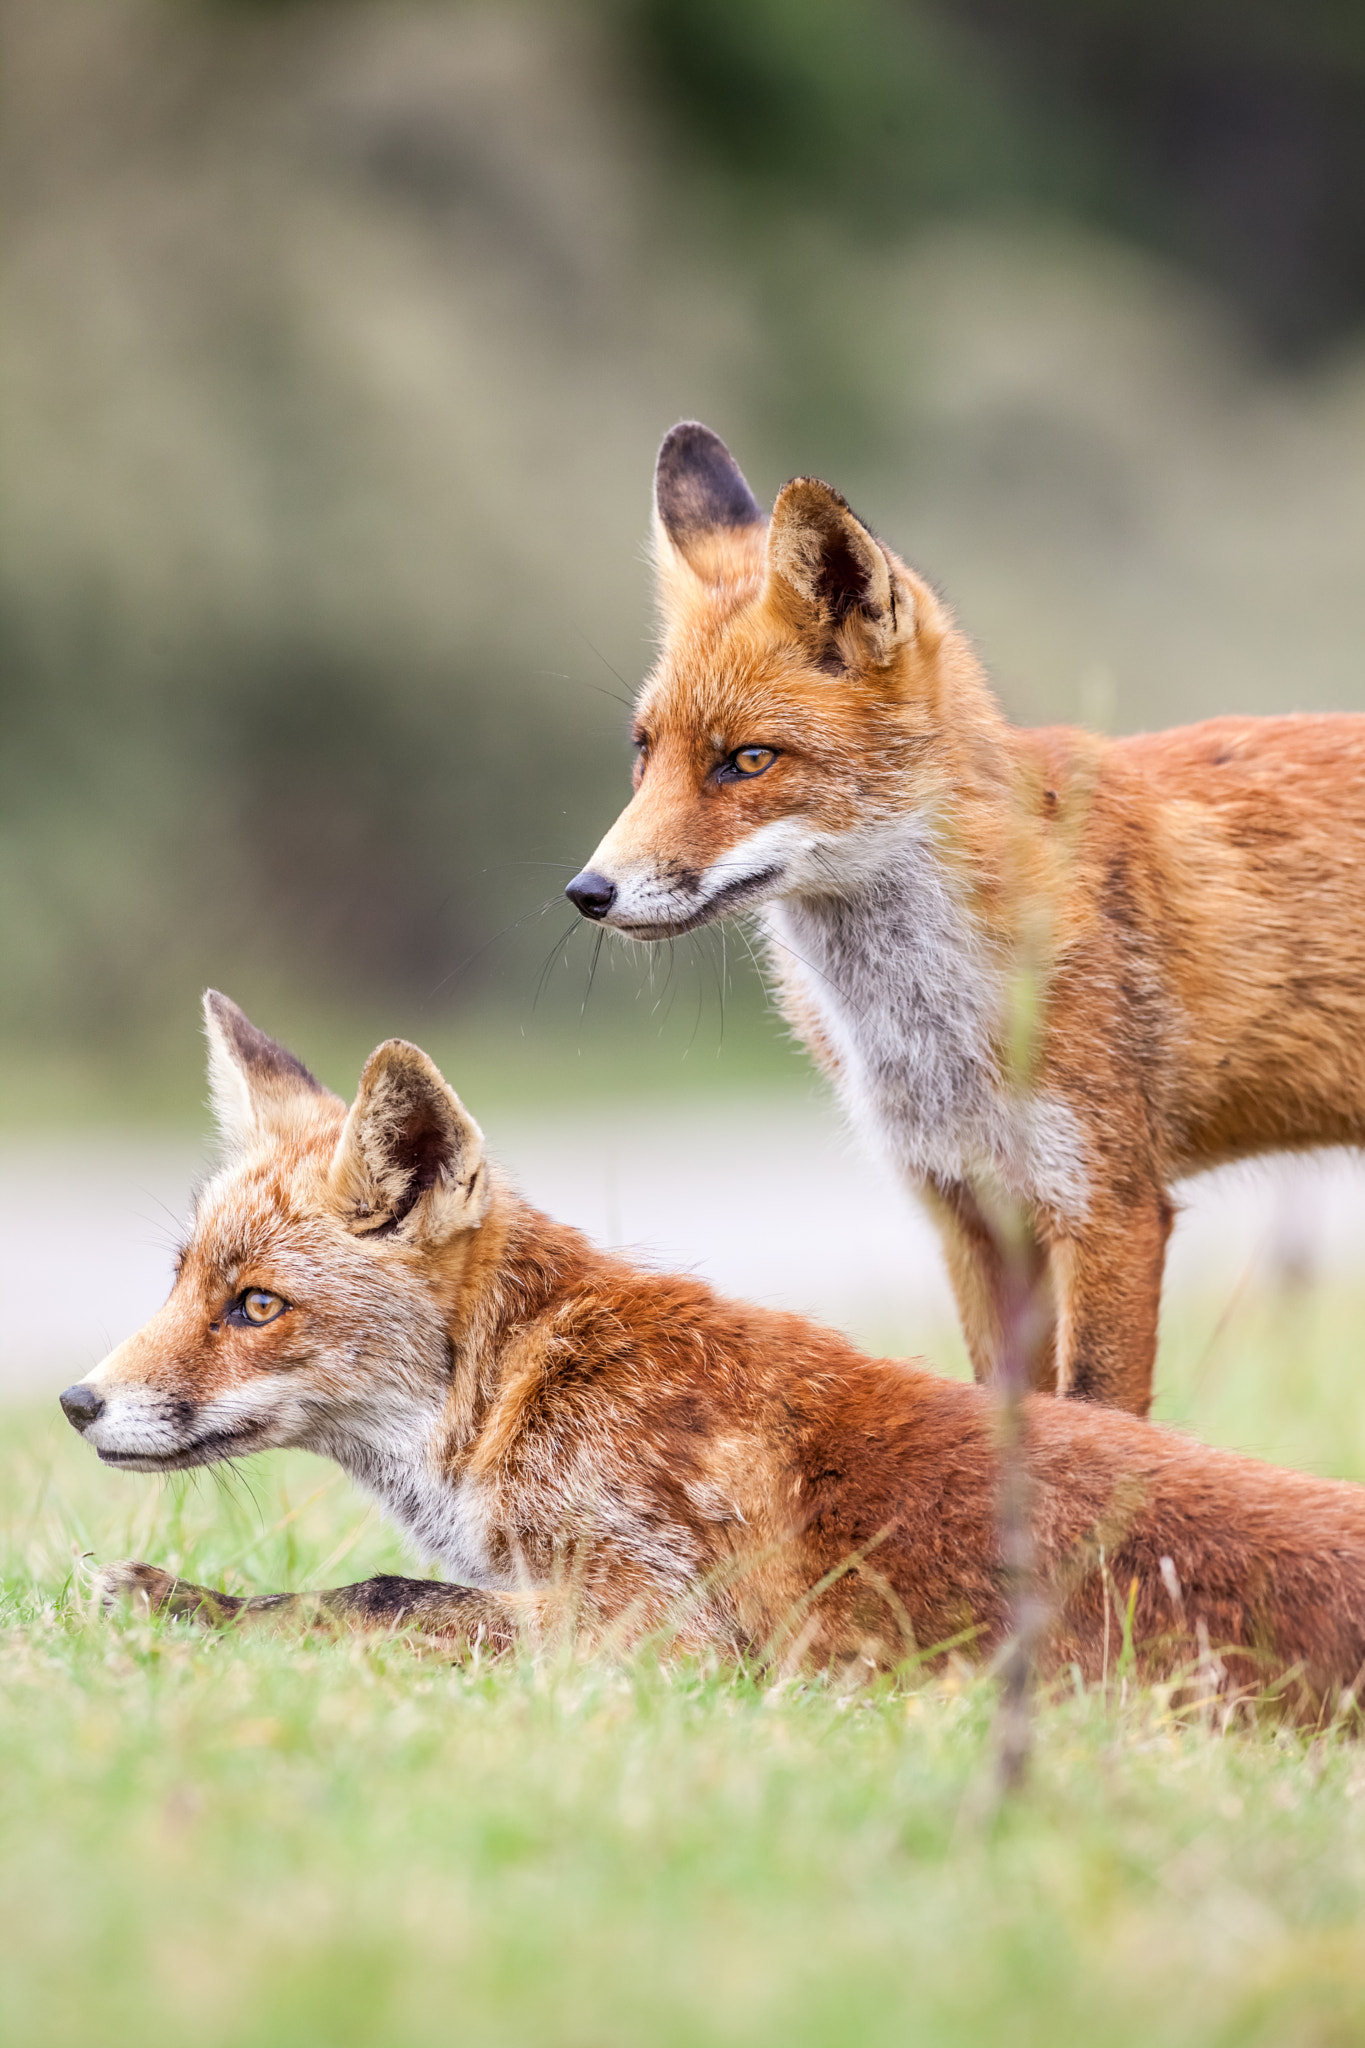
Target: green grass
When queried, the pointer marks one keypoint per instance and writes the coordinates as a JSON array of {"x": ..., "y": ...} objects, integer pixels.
[{"x": 249, "y": 1840}]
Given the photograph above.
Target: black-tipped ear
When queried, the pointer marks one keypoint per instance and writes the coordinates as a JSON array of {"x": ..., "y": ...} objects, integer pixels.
[
  {"x": 699, "y": 490},
  {"x": 253, "y": 1082},
  {"x": 410, "y": 1156}
]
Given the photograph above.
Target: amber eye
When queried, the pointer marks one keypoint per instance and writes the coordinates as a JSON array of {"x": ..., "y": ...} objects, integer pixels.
[
  {"x": 259, "y": 1307},
  {"x": 751, "y": 760}
]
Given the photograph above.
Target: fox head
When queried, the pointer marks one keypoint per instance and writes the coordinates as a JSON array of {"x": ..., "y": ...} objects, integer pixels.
[
  {"x": 798, "y": 700},
  {"x": 322, "y": 1263}
]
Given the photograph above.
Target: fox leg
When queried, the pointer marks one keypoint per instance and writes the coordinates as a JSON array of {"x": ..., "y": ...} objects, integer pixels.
[
  {"x": 433, "y": 1607},
  {"x": 990, "y": 1287},
  {"x": 1107, "y": 1281}
]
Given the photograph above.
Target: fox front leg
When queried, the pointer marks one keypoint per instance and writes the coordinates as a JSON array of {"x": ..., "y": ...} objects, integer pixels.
[
  {"x": 145, "y": 1589},
  {"x": 463, "y": 1613},
  {"x": 1107, "y": 1282},
  {"x": 988, "y": 1293}
]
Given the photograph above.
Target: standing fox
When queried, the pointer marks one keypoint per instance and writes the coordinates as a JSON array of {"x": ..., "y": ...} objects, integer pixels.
[
  {"x": 539, "y": 1415},
  {"x": 1180, "y": 917}
]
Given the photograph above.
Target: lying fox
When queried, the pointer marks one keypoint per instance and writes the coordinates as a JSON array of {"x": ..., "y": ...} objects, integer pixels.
[
  {"x": 1185, "y": 910},
  {"x": 537, "y": 1415}
]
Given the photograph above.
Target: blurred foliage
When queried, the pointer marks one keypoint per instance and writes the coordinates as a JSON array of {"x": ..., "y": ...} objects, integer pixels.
[
  {"x": 1228, "y": 134},
  {"x": 337, "y": 342},
  {"x": 878, "y": 113},
  {"x": 1237, "y": 132}
]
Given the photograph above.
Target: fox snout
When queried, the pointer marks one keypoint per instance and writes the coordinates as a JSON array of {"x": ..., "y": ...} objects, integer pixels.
[
  {"x": 146, "y": 1408},
  {"x": 649, "y": 900},
  {"x": 653, "y": 896},
  {"x": 591, "y": 894},
  {"x": 82, "y": 1405},
  {"x": 145, "y": 1428}
]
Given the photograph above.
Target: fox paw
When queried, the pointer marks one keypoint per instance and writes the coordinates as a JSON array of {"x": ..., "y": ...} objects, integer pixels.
[
  {"x": 143, "y": 1587},
  {"x": 146, "y": 1589}
]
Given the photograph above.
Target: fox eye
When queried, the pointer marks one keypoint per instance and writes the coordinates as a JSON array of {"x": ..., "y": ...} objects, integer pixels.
[
  {"x": 751, "y": 760},
  {"x": 256, "y": 1307}
]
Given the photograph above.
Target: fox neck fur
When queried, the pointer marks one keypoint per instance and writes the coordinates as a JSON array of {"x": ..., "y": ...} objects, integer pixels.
[{"x": 909, "y": 994}]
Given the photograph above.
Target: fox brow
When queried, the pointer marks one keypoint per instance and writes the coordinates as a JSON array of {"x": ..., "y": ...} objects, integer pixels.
[
  {"x": 237, "y": 1253},
  {"x": 727, "y": 696}
]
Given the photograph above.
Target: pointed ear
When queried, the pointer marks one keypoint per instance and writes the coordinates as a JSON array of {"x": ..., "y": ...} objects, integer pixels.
[
  {"x": 255, "y": 1086},
  {"x": 701, "y": 500},
  {"x": 826, "y": 567},
  {"x": 410, "y": 1158}
]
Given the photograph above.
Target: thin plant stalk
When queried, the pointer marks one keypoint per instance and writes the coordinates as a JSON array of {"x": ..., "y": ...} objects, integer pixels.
[
  {"x": 1025, "y": 1333},
  {"x": 1025, "y": 1327}
]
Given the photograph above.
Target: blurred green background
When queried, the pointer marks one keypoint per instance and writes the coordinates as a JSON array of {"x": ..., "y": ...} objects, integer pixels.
[{"x": 337, "y": 342}]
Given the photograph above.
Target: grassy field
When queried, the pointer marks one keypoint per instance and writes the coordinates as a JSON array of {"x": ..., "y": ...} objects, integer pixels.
[{"x": 250, "y": 1841}]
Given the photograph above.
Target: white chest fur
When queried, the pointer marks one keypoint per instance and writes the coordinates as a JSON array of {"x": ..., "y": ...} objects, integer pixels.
[
  {"x": 390, "y": 1452},
  {"x": 911, "y": 1003}
]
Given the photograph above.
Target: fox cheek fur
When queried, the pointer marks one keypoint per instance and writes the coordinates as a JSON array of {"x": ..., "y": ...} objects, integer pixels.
[{"x": 1183, "y": 909}]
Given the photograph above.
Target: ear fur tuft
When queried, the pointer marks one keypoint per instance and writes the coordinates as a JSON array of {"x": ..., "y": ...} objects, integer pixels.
[
  {"x": 410, "y": 1156},
  {"x": 255, "y": 1085}
]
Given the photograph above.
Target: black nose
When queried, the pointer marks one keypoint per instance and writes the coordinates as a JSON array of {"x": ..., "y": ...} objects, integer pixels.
[
  {"x": 592, "y": 894},
  {"x": 81, "y": 1404}
]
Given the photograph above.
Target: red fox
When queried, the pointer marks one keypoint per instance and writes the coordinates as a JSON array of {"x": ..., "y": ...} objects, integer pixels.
[
  {"x": 538, "y": 1415},
  {"x": 1185, "y": 911}
]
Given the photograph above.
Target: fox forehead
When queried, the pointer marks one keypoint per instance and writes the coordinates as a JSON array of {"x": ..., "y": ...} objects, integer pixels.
[
  {"x": 714, "y": 672},
  {"x": 710, "y": 698},
  {"x": 723, "y": 680},
  {"x": 265, "y": 1213}
]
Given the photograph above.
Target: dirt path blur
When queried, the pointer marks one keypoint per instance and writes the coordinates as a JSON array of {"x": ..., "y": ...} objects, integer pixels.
[{"x": 767, "y": 1198}]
